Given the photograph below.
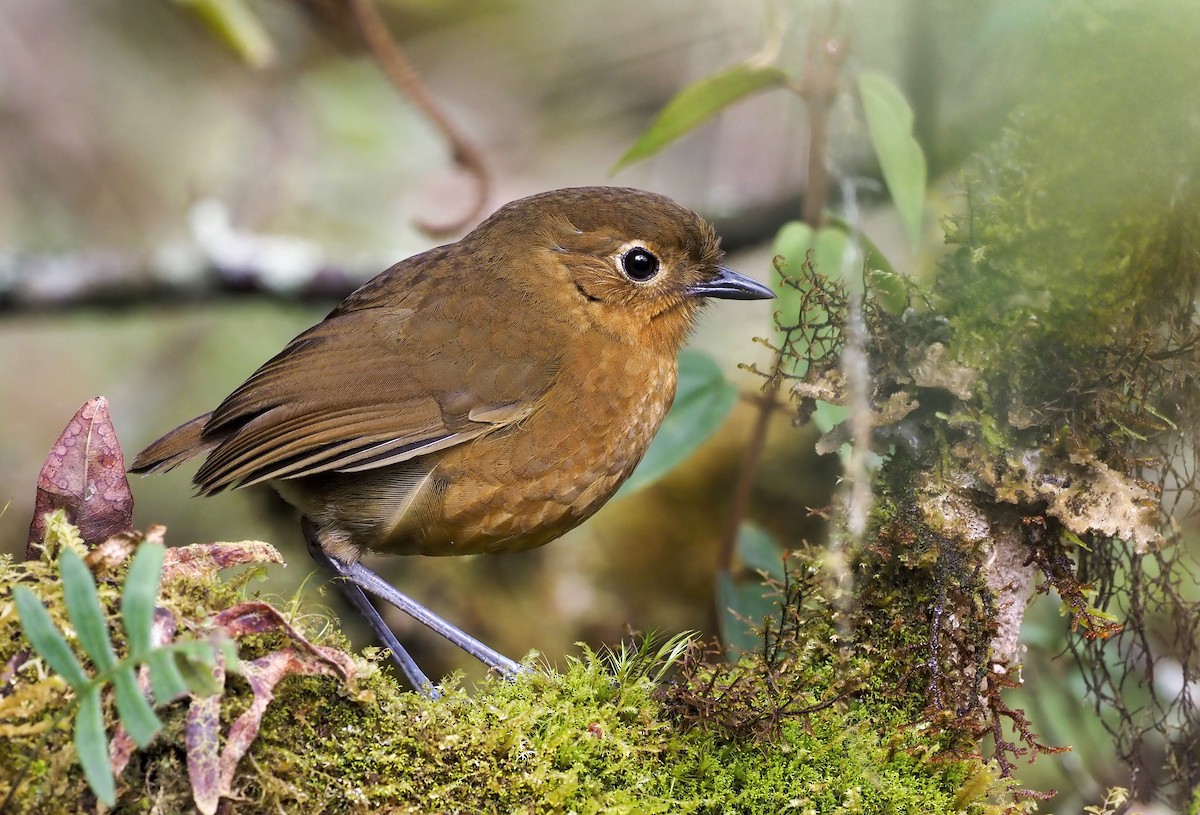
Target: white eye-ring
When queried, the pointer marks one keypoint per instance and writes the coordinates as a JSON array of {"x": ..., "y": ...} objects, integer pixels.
[{"x": 638, "y": 263}]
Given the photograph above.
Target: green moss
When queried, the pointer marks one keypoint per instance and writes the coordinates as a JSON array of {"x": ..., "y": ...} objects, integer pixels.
[
  {"x": 599, "y": 736},
  {"x": 1075, "y": 251}
]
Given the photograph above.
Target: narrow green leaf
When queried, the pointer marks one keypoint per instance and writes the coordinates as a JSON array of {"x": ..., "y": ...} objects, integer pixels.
[
  {"x": 46, "y": 640},
  {"x": 759, "y": 551},
  {"x": 133, "y": 708},
  {"x": 699, "y": 101},
  {"x": 165, "y": 678},
  {"x": 235, "y": 23},
  {"x": 85, "y": 611},
  {"x": 889, "y": 121},
  {"x": 139, "y": 595},
  {"x": 91, "y": 746},
  {"x": 702, "y": 401}
]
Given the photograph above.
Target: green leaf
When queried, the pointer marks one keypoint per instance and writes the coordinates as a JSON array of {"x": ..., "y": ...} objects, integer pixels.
[
  {"x": 759, "y": 551},
  {"x": 702, "y": 401},
  {"x": 91, "y": 746},
  {"x": 829, "y": 253},
  {"x": 887, "y": 285},
  {"x": 139, "y": 595},
  {"x": 133, "y": 708},
  {"x": 235, "y": 23},
  {"x": 792, "y": 243},
  {"x": 796, "y": 242},
  {"x": 698, "y": 102},
  {"x": 165, "y": 678},
  {"x": 85, "y": 611},
  {"x": 827, "y": 416},
  {"x": 889, "y": 121},
  {"x": 195, "y": 661},
  {"x": 743, "y": 607},
  {"x": 46, "y": 640}
]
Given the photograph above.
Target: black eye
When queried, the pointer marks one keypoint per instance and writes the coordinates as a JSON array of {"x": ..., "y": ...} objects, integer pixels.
[{"x": 639, "y": 264}]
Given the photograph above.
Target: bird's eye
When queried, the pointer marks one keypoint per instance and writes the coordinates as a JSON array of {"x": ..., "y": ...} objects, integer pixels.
[{"x": 639, "y": 264}]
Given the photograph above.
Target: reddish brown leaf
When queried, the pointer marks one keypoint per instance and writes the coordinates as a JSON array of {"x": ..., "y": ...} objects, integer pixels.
[
  {"x": 263, "y": 674},
  {"x": 202, "y": 740},
  {"x": 257, "y": 617},
  {"x": 113, "y": 554},
  {"x": 120, "y": 750},
  {"x": 85, "y": 476},
  {"x": 211, "y": 772},
  {"x": 203, "y": 559}
]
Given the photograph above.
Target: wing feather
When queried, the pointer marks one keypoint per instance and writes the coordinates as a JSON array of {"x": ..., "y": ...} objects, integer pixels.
[{"x": 366, "y": 389}]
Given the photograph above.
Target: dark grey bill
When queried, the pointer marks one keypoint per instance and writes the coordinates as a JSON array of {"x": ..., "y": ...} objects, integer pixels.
[{"x": 729, "y": 285}]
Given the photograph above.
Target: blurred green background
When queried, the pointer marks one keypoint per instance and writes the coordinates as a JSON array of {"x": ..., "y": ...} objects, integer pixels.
[{"x": 131, "y": 133}]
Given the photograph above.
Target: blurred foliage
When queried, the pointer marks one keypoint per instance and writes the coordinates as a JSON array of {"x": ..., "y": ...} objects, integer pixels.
[
  {"x": 703, "y": 400},
  {"x": 700, "y": 101},
  {"x": 901, "y": 160}
]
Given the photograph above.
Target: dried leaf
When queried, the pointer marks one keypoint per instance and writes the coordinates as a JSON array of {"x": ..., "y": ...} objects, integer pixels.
[
  {"x": 257, "y": 617},
  {"x": 120, "y": 749},
  {"x": 202, "y": 739},
  {"x": 263, "y": 674},
  {"x": 84, "y": 475},
  {"x": 111, "y": 555},
  {"x": 204, "y": 559},
  {"x": 212, "y": 773}
]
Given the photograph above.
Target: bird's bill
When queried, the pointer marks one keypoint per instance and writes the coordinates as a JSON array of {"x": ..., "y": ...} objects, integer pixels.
[{"x": 729, "y": 285}]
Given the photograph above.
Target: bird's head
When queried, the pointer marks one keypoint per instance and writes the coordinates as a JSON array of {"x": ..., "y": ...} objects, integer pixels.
[{"x": 628, "y": 263}]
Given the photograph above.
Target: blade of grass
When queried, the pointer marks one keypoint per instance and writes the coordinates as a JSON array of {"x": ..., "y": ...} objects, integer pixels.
[
  {"x": 139, "y": 595},
  {"x": 85, "y": 611},
  {"x": 47, "y": 641},
  {"x": 91, "y": 746},
  {"x": 133, "y": 708}
]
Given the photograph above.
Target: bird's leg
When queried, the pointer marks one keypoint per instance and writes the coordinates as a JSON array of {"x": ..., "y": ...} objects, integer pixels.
[
  {"x": 358, "y": 578},
  {"x": 358, "y": 598}
]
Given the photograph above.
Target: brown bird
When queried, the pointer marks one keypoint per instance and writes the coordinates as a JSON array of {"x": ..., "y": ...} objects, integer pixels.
[{"x": 484, "y": 396}]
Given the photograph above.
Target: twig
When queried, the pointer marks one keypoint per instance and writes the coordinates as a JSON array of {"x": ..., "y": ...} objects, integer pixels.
[
  {"x": 32, "y": 284},
  {"x": 819, "y": 90},
  {"x": 397, "y": 68}
]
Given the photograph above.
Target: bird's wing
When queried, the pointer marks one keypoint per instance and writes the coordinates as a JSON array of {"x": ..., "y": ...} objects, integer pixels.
[{"x": 371, "y": 388}]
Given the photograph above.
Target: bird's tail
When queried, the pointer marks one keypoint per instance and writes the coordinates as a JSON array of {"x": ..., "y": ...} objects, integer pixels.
[{"x": 173, "y": 449}]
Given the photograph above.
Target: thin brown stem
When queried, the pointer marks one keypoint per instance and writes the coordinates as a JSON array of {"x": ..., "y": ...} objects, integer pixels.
[
  {"x": 397, "y": 68},
  {"x": 819, "y": 89}
]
